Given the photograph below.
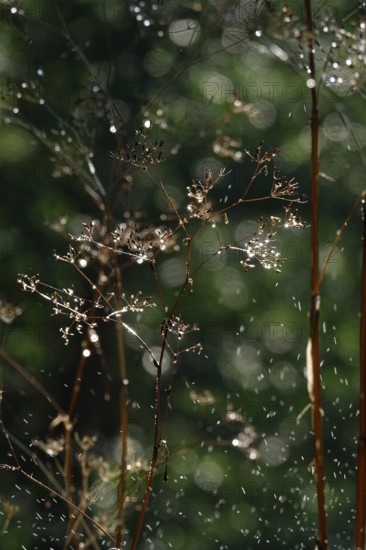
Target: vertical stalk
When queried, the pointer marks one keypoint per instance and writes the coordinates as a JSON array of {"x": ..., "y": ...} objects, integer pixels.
[
  {"x": 123, "y": 388},
  {"x": 123, "y": 400},
  {"x": 69, "y": 431},
  {"x": 123, "y": 396},
  {"x": 155, "y": 453},
  {"x": 68, "y": 463},
  {"x": 314, "y": 346},
  {"x": 361, "y": 449}
]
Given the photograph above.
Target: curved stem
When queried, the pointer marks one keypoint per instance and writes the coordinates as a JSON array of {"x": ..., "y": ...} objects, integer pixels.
[
  {"x": 33, "y": 381},
  {"x": 339, "y": 235}
]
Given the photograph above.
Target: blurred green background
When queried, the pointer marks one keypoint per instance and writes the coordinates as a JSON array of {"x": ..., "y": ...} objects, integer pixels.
[{"x": 214, "y": 79}]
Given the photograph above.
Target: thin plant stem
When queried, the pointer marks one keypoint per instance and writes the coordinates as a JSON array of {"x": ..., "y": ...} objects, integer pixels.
[
  {"x": 69, "y": 425},
  {"x": 155, "y": 453},
  {"x": 68, "y": 464},
  {"x": 154, "y": 458},
  {"x": 313, "y": 371},
  {"x": 123, "y": 398},
  {"x": 361, "y": 448},
  {"x": 339, "y": 235},
  {"x": 33, "y": 381}
]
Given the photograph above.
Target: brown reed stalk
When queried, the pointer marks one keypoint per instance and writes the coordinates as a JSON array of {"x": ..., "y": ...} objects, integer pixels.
[
  {"x": 314, "y": 384},
  {"x": 361, "y": 447}
]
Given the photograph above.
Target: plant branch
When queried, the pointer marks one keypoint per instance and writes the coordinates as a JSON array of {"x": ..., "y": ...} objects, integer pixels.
[{"x": 33, "y": 381}]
